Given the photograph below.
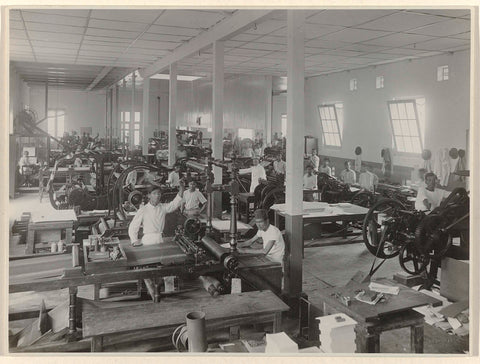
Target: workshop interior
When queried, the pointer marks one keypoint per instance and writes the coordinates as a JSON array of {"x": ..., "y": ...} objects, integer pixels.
[{"x": 255, "y": 181}]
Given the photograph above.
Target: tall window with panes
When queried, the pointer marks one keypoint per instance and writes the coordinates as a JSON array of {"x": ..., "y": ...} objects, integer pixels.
[
  {"x": 125, "y": 127},
  {"x": 406, "y": 126},
  {"x": 330, "y": 117}
]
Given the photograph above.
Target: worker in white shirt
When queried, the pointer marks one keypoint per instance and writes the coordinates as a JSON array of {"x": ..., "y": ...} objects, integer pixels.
[
  {"x": 273, "y": 244},
  {"x": 258, "y": 174},
  {"x": 348, "y": 175},
  {"x": 367, "y": 179},
  {"x": 152, "y": 217},
  {"x": 174, "y": 177},
  {"x": 429, "y": 197},
  {"x": 315, "y": 160},
  {"x": 193, "y": 201},
  {"x": 325, "y": 168},
  {"x": 309, "y": 184},
  {"x": 24, "y": 161},
  {"x": 279, "y": 166}
]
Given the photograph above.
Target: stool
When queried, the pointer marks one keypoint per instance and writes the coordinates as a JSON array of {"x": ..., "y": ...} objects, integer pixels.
[{"x": 244, "y": 201}]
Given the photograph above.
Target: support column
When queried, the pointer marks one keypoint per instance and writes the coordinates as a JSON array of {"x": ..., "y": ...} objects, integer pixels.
[
  {"x": 116, "y": 118},
  {"x": 217, "y": 119},
  {"x": 146, "y": 133},
  {"x": 132, "y": 116},
  {"x": 172, "y": 114},
  {"x": 295, "y": 132},
  {"x": 268, "y": 111}
]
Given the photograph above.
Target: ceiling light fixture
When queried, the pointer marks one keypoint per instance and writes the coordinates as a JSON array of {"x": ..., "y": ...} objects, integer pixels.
[{"x": 163, "y": 76}]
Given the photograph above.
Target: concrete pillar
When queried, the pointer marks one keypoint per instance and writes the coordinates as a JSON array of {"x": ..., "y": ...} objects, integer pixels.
[
  {"x": 172, "y": 114},
  {"x": 217, "y": 118},
  {"x": 295, "y": 132},
  {"x": 146, "y": 127}
]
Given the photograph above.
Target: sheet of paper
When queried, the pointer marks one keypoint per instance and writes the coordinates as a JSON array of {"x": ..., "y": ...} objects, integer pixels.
[
  {"x": 383, "y": 288},
  {"x": 236, "y": 285},
  {"x": 454, "y": 322}
]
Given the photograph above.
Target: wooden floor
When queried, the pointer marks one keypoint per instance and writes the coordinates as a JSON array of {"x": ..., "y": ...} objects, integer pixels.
[{"x": 333, "y": 264}]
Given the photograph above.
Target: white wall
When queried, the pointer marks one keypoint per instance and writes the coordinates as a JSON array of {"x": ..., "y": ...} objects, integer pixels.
[
  {"x": 244, "y": 106},
  {"x": 82, "y": 109},
  {"x": 366, "y": 119}
]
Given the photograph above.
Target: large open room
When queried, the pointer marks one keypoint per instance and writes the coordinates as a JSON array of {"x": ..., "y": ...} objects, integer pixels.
[{"x": 256, "y": 181}]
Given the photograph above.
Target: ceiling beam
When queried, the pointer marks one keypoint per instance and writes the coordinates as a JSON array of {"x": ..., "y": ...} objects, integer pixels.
[
  {"x": 237, "y": 23},
  {"x": 99, "y": 77}
]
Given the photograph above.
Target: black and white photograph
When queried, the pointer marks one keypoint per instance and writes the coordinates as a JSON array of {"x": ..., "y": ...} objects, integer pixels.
[{"x": 254, "y": 182}]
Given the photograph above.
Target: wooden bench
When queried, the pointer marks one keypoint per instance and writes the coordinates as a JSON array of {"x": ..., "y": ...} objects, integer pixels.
[{"x": 155, "y": 320}]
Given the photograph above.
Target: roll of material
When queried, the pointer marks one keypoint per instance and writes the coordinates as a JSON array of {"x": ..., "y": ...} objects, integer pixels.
[
  {"x": 219, "y": 253},
  {"x": 196, "y": 166},
  {"x": 75, "y": 255},
  {"x": 196, "y": 332}
]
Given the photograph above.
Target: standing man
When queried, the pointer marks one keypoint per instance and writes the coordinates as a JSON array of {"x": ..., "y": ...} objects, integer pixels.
[
  {"x": 152, "y": 217},
  {"x": 279, "y": 166},
  {"x": 258, "y": 174},
  {"x": 193, "y": 201},
  {"x": 367, "y": 179},
  {"x": 429, "y": 197},
  {"x": 273, "y": 244},
  {"x": 348, "y": 175},
  {"x": 325, "y": 168},
  {"x": 315, "y": 160},
  {"x": 309, "y": 184},
  {"x": 174, "y": 177}
]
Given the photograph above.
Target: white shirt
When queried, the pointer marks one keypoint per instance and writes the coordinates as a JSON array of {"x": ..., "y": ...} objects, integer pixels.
[
  {"x": 174, "y": 179},
  {"x": 315, "y": 159},
  {"x": 258, "y": 172},
  {"x": 153, "y": 220},
  {"x": 193, "y": 199},
  {"x": 327, "y": 170},
  {"x": 78, "y": 162},
  {"x": 310, "y": 182},
  {"x": 348, "y": 176},
  {"x": 278, "y": 249},
  {"x": 24, "y": 161},
  {"x": 280, "y": 167},
  {"x": 368, "y": 180},
  {"x": 434, "y": 197}
]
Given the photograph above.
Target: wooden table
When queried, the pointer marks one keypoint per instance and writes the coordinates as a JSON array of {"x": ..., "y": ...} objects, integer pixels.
[
  {"x": 159, "y": 320},
  {"x": 372, "y": 320},
  {"x": 49, "y": 227}
]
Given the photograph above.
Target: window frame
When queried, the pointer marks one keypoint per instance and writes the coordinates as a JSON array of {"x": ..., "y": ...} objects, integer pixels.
[
  {"x": 337, "y": 124},
  {"x": 282, "y": 117},
  {"x": 417, "y": 123}
]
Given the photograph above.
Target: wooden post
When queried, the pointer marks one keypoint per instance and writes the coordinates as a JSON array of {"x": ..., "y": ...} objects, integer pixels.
[
  {"x": 267, "y": 138},
  {"x": 416, "y": 338},
  {"x": 72, "y": 316},
  {"x": 172, "y": 114},
  {"x": 132, "y": 116},
  {"x": 295, "y": 133},
  {"x": 146, "y": 131},
  {"x": 217, "y": 119}
]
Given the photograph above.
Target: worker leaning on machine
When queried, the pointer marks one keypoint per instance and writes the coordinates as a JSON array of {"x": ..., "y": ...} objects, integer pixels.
[
  {"x": 273, "y": 244},
  {"x": 152, "y": 217},
  {"x": 258, "y": 173},
  {"x": 429, "y": 197}
]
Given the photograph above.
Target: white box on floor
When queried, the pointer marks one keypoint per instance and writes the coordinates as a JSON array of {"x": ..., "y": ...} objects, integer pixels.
[
  {"x": 280, "y": 343},
  {"x": 337, "y": 334}
]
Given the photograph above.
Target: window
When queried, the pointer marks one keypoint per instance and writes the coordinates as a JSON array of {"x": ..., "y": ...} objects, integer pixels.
[
  {"x": 406, "y": 124},
  {"x": 284, "y": 125},
  {"x": 379, "y": 82},
  {"x": 329, "y": 117},
  {"x": 246, "y": 133},
  {"x": 56, "y": 122},
  {"x": 353, "y": 84},
  {"x": 442, "y": 73},
  {"x": 125, "y": 127}
]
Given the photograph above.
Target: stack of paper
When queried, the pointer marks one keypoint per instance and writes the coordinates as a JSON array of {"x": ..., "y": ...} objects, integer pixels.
[
  {"x": 280, "y": 343},
  {"x": 383, "y": 288},
  {"x": 337, "y": 333}
]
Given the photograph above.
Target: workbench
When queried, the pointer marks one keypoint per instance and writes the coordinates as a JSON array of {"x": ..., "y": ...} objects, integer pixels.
[
  {"x": 396, "y": 312},
  {"x": 44, "y": 228},
  {"x": 149, "y": 320}
]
